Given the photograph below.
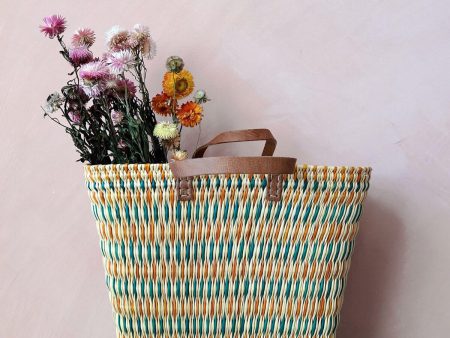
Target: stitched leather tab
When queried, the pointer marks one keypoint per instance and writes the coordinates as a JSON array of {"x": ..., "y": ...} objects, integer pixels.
[
  {"x": 274, "y": 187},
  {"x": 184, "y": 189}
]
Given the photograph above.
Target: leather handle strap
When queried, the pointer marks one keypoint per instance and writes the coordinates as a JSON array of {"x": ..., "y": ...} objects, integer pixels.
[
  {"x": 275, "y": 167},
  {"x": 232, "y": 165},
  {"x": 241, "y": 136}
]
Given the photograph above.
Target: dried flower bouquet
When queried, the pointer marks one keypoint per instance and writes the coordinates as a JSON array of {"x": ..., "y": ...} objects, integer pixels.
[{"x": 106, "y": 105}]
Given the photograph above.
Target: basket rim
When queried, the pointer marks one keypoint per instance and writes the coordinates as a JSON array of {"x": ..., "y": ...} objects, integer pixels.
[{"x": 166, "y": 164}]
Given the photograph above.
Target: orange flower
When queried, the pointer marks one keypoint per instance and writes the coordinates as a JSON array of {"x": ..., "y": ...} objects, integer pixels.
[
  {"x": 178, "y": 84},
  {"x": 161, "y": 104},
  {"x": 190, "y": 114}
]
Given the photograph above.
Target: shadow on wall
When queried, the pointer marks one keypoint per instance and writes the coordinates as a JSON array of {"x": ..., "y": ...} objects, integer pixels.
[{"x": 373, "y": 273}]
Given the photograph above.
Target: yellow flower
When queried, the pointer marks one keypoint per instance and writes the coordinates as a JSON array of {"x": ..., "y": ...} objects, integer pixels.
[
  {"x": 166, "y": 130},
  {"x": 190, "y": 114},
  {"x": 178, "y": 84}
]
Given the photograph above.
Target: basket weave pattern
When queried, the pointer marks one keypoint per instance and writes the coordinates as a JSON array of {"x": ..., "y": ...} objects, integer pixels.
[{"x": 228, "y": 263}]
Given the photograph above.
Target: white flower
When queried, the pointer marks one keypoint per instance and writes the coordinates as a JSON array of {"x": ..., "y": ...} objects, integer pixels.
[
  {"x": 117, "y": 39},
  {"x": 140, "y": 38},
  {"x": 166, "y": 130},
  {"x": 92, "y": 90},
  {"x": 54, "y": 102}
]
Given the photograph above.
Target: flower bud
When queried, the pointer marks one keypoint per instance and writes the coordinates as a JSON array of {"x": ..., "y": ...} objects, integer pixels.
[
  {"x": 174, "y": 64},
  {"x": 200, "y": 96}
]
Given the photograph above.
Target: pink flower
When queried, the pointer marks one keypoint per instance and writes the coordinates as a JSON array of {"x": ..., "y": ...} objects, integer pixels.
[
  {"x": 75, "y": 117},
  {"x": 93, "y": 71},
  {"x": 83, "y": 37},
  {"x": 117, "y": 39},
  {"x": 80, "y": 55},
  {"x": 118, "y": 62},
  {"x": 121, "y": 144},
  {"x": 54, "y": 25},
  {"x": 125, "y": 88},
  {"x": 116, "y": 117}
]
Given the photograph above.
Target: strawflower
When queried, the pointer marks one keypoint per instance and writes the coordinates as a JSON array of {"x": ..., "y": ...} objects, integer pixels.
[
  {"x": 80, "y": 55},
  {"x": 118, "y": 39},
  {"x": 93, "y": 71},
  {"x": 53, "y": 26},
  {"x": 161, "y": 104},
  {"x": 174, "y": 64},
  {"x": 83, "y": 37},
  {"x": 120, "y": 61},
  {"x": 178, "y": 84},
  {"x": 140, "y": 38},
  {"x": 190, "y": 114},
  {"x": 54, "y": 102},
  {"x": 165, "y": 130},
  {"x": 200, "y": 96}
]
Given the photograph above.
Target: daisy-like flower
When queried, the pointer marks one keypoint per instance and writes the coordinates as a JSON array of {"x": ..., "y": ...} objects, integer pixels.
[
  {"x": 125, "y": 88},
  {"x": 178, "y": 84},
  {"x": 179, "y": 155},
  {"x": 161, "y": 104},
  {"x": 166, "y": 130},
  {"x": 80, "y": 55},
  {"x": 174, "y": 64},
  {"x": 118, "y": 62},
  {"x": 118, "y": 39},
  {"x": 116, "y": 117},
  {"x": 75, "y": 117},
  {"x": 53, "y": 26},
  {"x": 190, "y": 114},
  {"x": 93, "y": 71},
  {"x": 83, "y": 37},
  {"x": 140, "y": 38}
]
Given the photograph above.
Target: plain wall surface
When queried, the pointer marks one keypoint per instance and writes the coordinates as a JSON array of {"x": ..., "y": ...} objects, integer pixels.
[{"x": 338, "y": 82}]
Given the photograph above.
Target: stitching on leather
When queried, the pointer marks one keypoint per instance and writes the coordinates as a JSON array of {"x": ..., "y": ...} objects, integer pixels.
[
  {"x": 274, "y": 187},
  {"x": 184, "y": 188}
]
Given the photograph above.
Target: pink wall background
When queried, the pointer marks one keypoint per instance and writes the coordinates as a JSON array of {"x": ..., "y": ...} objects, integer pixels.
[{"x": 338, "y": 82}]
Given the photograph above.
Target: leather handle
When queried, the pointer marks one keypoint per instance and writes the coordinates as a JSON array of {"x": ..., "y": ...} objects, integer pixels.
[
  {"x": 274, "y": 167},
  {"x": 232, "y": 165},
  {"x": 241, "y": 136}
]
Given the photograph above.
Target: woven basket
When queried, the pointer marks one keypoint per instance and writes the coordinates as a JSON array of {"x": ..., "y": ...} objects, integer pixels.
[{"x": 228, "y": 262}]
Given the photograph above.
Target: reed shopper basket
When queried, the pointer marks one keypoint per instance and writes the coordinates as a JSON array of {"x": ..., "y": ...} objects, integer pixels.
[{"x": 227, "y": 246}]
